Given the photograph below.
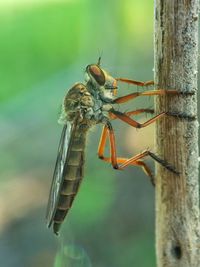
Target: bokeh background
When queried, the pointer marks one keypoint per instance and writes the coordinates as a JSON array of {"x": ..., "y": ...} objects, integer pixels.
[{"x": 45, "y": 46}]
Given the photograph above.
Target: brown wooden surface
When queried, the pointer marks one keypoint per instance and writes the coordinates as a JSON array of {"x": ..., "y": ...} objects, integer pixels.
[{"x": 177, "y": 196}]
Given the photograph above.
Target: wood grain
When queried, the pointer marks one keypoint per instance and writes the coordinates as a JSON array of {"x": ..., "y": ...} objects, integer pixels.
[{"x": 177, "y": 196}]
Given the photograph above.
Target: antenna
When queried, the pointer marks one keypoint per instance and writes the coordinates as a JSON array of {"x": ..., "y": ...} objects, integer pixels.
[{"x": 99, "y": 61}]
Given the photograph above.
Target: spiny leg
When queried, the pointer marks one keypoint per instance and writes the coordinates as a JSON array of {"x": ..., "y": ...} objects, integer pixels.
[
  {"x": 102, "y": 144},
  {"x": 181, "y": 115},
  {"x": 113, "y": 159},
  {"x": 138, "y": 83},
  {"x": 148, "y": 83},
  {"x": 124, "y": 117},
  {"x": 113, "y": 114},
  {"x": 144, "y": 154},
  {"x": 108, "y": 132},
  {"x": 105, "y": 130},
  {"x": 132, "y": 161},
  {"x": 146, "y": 170},
  {"x": 121, "y": 163},
  {"x": 133, "y": 112},
  {"x": 131, "y": 96},
  {"x": 160, "y": 92}
]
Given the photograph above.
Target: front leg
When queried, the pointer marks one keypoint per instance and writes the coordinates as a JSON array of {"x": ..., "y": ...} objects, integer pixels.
[
  {"x": 138, "y": 83},
  {"x": 126, "y": 98}
]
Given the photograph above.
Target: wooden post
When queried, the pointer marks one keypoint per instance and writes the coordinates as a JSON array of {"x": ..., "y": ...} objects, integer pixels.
[{"x": 177, "y": 196}]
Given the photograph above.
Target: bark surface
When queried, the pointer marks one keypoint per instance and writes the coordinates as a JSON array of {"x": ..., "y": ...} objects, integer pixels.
[{"x": 177, "y": 196}]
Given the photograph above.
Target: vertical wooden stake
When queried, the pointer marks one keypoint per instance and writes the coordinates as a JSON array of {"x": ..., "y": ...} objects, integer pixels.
[{"x": 177, "y": 196}]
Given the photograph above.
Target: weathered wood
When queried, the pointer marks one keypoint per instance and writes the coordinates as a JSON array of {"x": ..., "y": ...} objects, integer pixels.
[{"x": 177, "y": 196}]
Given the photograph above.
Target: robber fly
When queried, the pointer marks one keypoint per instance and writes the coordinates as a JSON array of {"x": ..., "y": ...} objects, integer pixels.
[{"x": 85, "y": 105}]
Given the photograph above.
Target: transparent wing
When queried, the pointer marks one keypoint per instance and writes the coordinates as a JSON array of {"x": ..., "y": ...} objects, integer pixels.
[{"x": 63, "y": 148}]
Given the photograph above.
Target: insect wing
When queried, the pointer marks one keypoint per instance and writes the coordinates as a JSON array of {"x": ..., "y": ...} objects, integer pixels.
[{"x": 58, "y": 172}]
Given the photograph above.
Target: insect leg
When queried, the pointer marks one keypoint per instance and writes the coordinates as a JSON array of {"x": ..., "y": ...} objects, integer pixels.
[
  {"x": 144, "y": 154},
  {"x": 146, "y": 170},
  {"x": 133, "y": 112},
  {"x": 122, "y": 163},
  {"x": 102, "y": 143},
  {"x": 109, "y": 133},
  {"x": 131, "y": 96},
  {"x": 124, "y": 117},
  {"x": 138, "y": 83}
]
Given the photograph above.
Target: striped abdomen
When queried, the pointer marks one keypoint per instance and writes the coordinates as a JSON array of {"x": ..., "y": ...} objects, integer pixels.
[{"x": 72, "y": 174}]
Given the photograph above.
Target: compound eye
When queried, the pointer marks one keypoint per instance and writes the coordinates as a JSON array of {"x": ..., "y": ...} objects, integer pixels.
[{"x": 97, "y": 74}]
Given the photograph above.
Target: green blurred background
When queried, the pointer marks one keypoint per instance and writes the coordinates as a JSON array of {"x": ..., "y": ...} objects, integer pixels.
[{"x": 45, "y": 46}]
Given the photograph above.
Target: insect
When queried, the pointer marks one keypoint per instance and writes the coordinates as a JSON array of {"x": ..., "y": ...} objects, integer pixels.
[{"x": 85, "y": 105}]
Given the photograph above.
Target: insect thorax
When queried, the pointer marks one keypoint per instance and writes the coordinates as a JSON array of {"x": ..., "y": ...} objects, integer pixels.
[{"x": 79, "y": 102}]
